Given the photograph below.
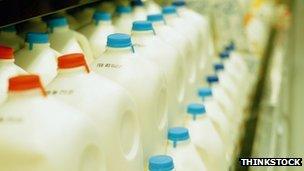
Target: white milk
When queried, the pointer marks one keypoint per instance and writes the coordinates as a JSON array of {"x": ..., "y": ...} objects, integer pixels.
[
  {"x": 201, "y": 24},
  {"x": 41, "y": 133},
  {"x": 161, "y": 163},
  {"x": 7, "y": 69},
  {"x": 38, "y": 57},
  {"x": 123, "y": 22},
  {"x": 183, "y": 152},
  {"x": 143, "y": 79},
  {"x": 217, "y": 116},
  {"x": 107, "y": 6},
  {"x": 173, "y": 20},
  {"x": 66, "y": 41},
  {"x": 108, "y": 104},
  {"x": 139, "y": 11},
  {"x": 150, "y": 46},
  {"x": 98, "y": 31},
  {"x": 9, "y": 37},
  {"x": 205, "y": 137},
  {"x": 152, "y": 7}
]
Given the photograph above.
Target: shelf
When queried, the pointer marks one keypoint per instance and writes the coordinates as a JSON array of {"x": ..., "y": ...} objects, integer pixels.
[{"x": 16, "y": 11}]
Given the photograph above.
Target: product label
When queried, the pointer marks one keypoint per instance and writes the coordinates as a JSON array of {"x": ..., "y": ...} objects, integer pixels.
[
  {"x": 108, "y": 65},
  {"x": 60, "y": 92}
]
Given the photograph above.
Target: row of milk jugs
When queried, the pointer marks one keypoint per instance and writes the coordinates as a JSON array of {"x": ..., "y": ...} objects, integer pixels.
[{"x": 132, "y": 104}]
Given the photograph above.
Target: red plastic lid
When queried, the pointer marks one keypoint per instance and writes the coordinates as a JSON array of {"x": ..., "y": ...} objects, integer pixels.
[
  {"x": 25, "y": 82},
  {"x": 72, "y": 61},
  {"x": 6, "y": 52}
]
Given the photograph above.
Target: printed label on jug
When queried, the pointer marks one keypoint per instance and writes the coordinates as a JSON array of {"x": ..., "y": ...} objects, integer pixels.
[
  {"x": 60, "y": 92},
  {"x": 108, "y": 65}
]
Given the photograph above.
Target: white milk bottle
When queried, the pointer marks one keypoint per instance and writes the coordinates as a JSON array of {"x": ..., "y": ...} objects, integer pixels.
[
  {"x": 9, "y": 37},
  {"x": 66, "y": 41},
  {"x": 217, "y": 116},
  {"x": 173, "y": 20},
  {"x": 183, "y": 152},
  {"x": 38, "y": 57},
  {"x": 98, "y": 31},
  {"x": 139, "y": 10},
  {"x": 41, "y": 133},
  {"x": 161, "y": 163},
  {"x": 205, "y": 137},
  {"x": 107, "y": 6},
  {"x": 201, "y": 24},
  {"x": 33, "y": 25},
  {"x": 143, "y": 79},
  {"x": 108, "y": 104},
  {"x": 123, "y": 22},
  {"x": 149, "y": 46},
  {"x": 7, "y": 70},
  {"x": 225, "y": 102}
]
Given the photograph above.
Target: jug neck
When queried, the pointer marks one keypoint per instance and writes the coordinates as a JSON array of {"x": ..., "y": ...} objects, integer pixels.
[
  {"x": 59, "y": 29},
  {"x": 72, "y": 71},
  {"x": 170, "y": 16},
  {"x": 196, "y": 117},
  {"x": 158, "y": 24},
  {"x": 124, "y": 50},
  {"x": 178, "y": 144},
  {"x": 143, "y": 34},
  {"x": 37, "y": 92},
  {"x": 32, "y": 46}
]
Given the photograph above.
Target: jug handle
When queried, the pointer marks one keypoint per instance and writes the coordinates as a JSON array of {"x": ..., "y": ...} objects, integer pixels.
[{"x": 85, "y": 45}]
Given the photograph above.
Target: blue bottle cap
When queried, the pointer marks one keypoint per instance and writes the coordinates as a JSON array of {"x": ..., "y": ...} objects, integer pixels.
[
  {"x": 169, "y": 10},
  {"x": 205, "y": 92},
  {"x": 119, "y": 40},
  {"x": 161, "y": 163},
  {"x": 196, "y": 109},
  {"x": 218, "y": 67},
  {"x": 179, "y": 3},
  {"x": 212, "y": 79},
  {"x": 9, "y": 29},
  {"x": 137, "y": 3},
  {"x": 178, "y": 134},
  {"x": 123, "y": 9},
  {"x": 57, "y": 22},
  {"x": 35, "y": 37},
  {"x": 142, "y": 26},
  {"x": 224, "y": 55},
  {"x": 101, "y": 16},
  {"x": 155, "y": 17},
  {"x": 230, "y": 47}
]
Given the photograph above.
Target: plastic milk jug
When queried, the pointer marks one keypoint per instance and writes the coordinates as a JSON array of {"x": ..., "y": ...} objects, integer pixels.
[
  {"x": 9, "y": 37},
  {"x": 123, "y": 22}
]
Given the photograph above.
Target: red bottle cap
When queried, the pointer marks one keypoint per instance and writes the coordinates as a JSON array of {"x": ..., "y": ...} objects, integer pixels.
[
  {"x": 6, "y": 52},
  {"x": 25, "y": 82},
  {"x": 72, "y": 61}
]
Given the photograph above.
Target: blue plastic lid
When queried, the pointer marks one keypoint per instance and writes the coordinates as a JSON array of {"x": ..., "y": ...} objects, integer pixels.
[
  {"x": 119, "y": 40},
  {"x": 101, "y": 16},
  {"x": 169, "y": 10},
  {"x": 212, "y": 79},
  {"x": 142, "y": 26},
  {"x": 35, "y": 37},
  {"x": 179, "y": 3},
  {"x": 57, "y": 22},
  {"x": 218, "y": 67},
  {"x": 225, "y": 54},
  {"x": 123, "y": 9},
  {"x": 9, "y": 29},
  {"x": 196, "y": 109},
  {"x": 230, "y": 47},
  {"x": 137, "y": 3},
  {"x": 178, "y": 134},
  {"x": 155, "y": 17},
  {"x": 205, "y": 92},
  {"x": 161, "y": 163}
]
